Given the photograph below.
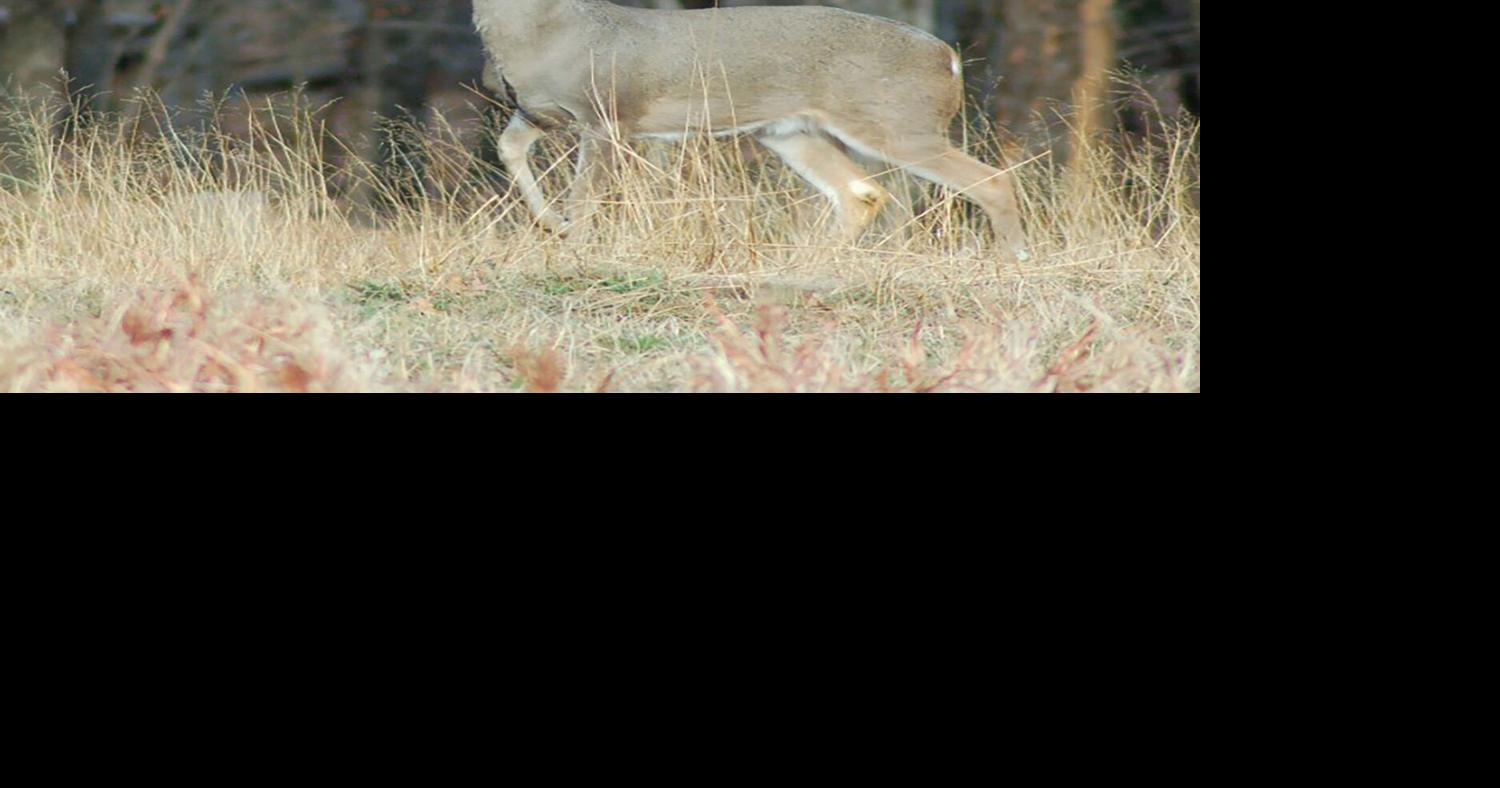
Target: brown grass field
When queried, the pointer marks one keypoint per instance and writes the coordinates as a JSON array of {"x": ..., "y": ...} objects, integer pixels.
[{"x": 248, "y": 259}]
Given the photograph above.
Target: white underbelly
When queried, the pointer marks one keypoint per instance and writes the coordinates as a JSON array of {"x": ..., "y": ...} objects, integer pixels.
[{"x": 776, "y": 127}]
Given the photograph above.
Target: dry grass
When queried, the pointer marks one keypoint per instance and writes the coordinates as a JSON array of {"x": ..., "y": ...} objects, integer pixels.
[{"x": 210, "y": 261}]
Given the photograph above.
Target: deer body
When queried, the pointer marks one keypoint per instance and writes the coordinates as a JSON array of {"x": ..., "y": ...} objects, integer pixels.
[{"x": 808, "y": 82}]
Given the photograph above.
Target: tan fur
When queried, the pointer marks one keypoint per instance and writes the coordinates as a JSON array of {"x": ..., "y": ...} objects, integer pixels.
[{"x": 796, "y": 77}]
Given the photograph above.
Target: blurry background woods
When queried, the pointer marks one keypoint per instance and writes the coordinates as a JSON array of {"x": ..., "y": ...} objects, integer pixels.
[{"x": 1029, "y": 61}]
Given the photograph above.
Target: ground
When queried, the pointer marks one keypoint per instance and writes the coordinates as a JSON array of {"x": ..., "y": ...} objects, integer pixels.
[{"x": 212, "y": 263}]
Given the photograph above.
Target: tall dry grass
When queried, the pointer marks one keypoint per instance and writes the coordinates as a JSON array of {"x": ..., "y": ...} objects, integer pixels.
[{"x": 241, "y": 249}]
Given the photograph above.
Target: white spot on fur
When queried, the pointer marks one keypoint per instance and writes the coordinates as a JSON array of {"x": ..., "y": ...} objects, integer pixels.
[{"x": 865, "y": 191}]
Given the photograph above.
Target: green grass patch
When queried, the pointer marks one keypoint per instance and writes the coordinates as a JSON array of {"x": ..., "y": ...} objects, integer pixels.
[{"x": 633, "y": 343}]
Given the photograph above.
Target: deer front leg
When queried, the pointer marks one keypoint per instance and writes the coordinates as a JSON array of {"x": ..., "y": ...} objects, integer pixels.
[{"x": 515, "y": 150}]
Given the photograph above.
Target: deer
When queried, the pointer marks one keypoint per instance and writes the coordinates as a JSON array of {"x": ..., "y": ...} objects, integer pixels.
[{"x": 810, "y": 83}]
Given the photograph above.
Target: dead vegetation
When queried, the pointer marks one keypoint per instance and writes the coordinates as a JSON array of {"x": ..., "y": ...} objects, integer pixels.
[
  {"x": 190, "y": 259},
  {"x": 169, "y": 341}
]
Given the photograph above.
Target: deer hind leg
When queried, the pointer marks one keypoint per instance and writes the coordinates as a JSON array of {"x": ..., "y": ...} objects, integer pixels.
[
  {"x": 598, "y": 154},
  {"x": 515, "y": 150},
  {"x": 823, "y": 164},
  {"x": 934, "y": 158}
]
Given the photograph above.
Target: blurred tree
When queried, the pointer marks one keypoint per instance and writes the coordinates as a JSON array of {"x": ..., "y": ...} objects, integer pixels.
[
  {"x": 1096, "y": 60},
  {"x": 1028, "y": 61},
  {"x": 33, "y": 45},
  {"x": 393, "y": 53},
  {"x": 87, "y": 55},
  {"x": 149, "y": 75},
  {"x": 1033, "y": 60},
  {"x": 31, "y": 59}
]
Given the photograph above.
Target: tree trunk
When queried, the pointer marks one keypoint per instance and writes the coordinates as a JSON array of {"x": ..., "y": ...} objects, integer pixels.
[
  {"x": 88, "y": 49},
  {"x": 1057, "y": 55},
  {"x": 31, "y": 60},
  {"x": 31, "y": 51},
  {"x": 149, "y": 76},
  {"x": 1097, "y": 58},
  {"x": 395, "y": 61}
]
